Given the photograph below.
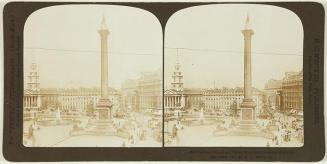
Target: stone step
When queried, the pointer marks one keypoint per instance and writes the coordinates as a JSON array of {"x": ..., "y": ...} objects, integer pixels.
[
  {"x": 255, "y": 125},
  {"x": 101, "y": 123},
  {"x": 246, "y": 129},
  {"x": 246, "y": 133},
  {"x": 100, "y": 126},
  {"x": 248, "y": 122}
]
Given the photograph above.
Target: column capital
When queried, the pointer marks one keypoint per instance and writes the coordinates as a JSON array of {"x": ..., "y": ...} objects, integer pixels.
[
  {"x": 247, "y": 33},
  {"x": 103, "y": 33}
]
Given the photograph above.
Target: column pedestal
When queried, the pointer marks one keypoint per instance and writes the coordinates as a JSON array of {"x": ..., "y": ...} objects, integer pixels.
[
  {"x": 104, "y": 109},
  {"x": 247, "y": 126},
  {"x": 102, "y": 124}
]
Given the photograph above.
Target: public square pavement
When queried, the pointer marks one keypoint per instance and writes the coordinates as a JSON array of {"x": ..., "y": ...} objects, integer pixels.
[
  {"x": 202, "y": 136},
  {"x": 91, "y": 141},
  {"x": 47, "y": 136},
  {"x": 58, "y": 136}
]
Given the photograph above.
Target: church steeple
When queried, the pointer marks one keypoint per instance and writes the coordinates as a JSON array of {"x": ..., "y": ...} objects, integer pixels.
[
  {"x": 177, "y": 83},
  {"x": 33, "y": 79}
]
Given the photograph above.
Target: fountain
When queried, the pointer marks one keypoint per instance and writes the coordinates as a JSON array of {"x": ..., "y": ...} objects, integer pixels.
[{"x": 52, "y": 118}]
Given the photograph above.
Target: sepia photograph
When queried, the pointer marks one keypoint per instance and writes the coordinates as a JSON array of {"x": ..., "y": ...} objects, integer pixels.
[
  {"x": 233, "y": 77},
  {"x": 92, "y": 77},
  {"x": 163, "y": 81}
]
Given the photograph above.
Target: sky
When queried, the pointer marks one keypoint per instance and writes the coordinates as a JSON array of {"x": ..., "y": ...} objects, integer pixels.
[
  {"x": 64, "y": 43},
  {"x": 213, "y": 40}
]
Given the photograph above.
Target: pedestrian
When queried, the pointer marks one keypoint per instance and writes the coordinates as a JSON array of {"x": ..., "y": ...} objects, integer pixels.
[
  {"x": 276, "y": 142},
  {"x": 174, "y": 131},
  {"x": 129, "y": 140},
  {"x": 273, "y": 140},
  {"x": 280, "y": 140},
  {"x": 177, "y": 137},
  {"x": 31, "y": 135}
]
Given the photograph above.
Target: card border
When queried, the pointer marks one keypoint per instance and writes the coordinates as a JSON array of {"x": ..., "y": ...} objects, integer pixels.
[{"x": 312, "y": 16}]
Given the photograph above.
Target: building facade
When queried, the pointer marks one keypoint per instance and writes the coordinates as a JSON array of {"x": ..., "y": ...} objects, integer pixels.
[
  {"x": 178, "y": 97},
  {"x": 32, "y": 98},
  {"x": 223, "y": 98},
  {"x": 129, "y": 95},
  {"x": 144, "y": 93},
  {"x": 272, "y": 91},
  {"x": 291, "y": 94},
  {"x": 80, "y": 99},
  {"x": 175, "y": 96},
  {"x": 149, "y": 90},
  {"x": 72, "y": 99},
  {"x": 287, "y": 94}
]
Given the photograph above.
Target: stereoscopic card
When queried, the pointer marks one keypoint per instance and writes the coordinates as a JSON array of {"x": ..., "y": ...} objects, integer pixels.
[{"x": 180, "y": 81}]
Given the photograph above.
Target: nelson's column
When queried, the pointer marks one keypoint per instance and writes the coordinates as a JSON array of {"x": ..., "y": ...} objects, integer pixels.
[
  {"x": 104, "y": 105},
  {"x": 103, "y": 124},
  {"x": 248, "y": 105},
  {"x": 247, "y": 125}
]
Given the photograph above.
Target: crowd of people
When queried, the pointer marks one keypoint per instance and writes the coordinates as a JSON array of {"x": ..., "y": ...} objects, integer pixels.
[
  {"x": 142, "y": 127},
  {"x": 289, "y": 129},
  {"x": 286, "y": 129}
]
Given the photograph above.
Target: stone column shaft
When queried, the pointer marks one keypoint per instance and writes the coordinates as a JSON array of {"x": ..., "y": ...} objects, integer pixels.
[
  {"x": 104, "y": 65},
  {"x": 169, "y": 101},
  {"x": 175, "y": 101},
  {"x": 247, "y": 64}
]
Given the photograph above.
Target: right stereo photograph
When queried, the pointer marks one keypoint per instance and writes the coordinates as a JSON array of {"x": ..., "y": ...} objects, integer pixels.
[{"x": 233, "y": 77}]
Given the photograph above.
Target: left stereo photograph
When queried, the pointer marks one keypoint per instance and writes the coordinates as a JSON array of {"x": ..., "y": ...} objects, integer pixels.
[{"x": 92, "y": 77}]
